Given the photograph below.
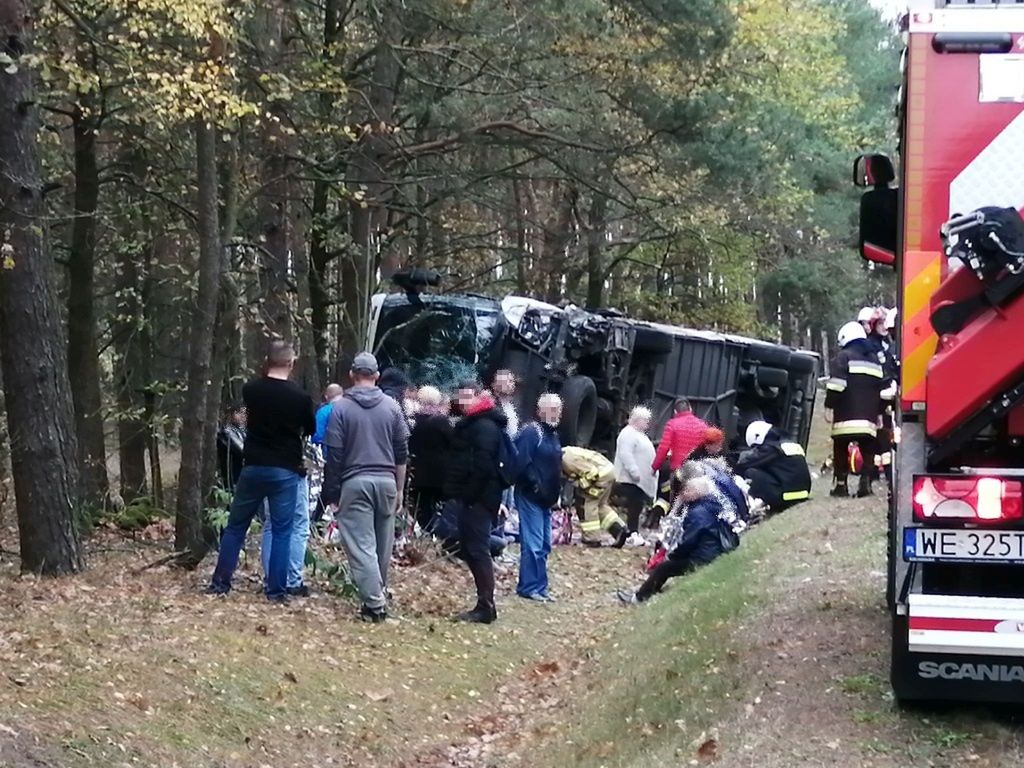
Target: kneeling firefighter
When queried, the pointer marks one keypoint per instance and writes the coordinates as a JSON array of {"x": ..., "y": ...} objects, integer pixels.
[
  {"x": 854, "y": 396},
  {"x": 594, "y": 477},
  {"x": 775, "y": 467}
]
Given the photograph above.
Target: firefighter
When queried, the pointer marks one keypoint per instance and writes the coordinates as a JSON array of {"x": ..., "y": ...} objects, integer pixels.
[
  {"x": 866, "y": 318},
  {"x": 854, "y": 397},
  {"x": 594, "y": 477},
  {"x": 881, "y": 344},
  {"x": 775, "y": 466}
]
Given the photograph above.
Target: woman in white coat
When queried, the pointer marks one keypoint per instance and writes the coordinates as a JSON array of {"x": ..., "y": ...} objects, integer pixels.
[{"x": 637, "y": 485}]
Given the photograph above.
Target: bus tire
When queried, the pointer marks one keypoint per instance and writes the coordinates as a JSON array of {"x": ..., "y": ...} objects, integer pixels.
[{"x": 579, "y": 411}]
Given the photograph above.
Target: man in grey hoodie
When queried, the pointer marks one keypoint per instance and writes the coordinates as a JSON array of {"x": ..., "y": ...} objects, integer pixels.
[{"x": 368, "y": 441}]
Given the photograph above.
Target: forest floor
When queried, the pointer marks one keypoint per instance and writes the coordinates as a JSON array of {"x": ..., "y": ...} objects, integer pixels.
[{"x": 773, "y": 656}]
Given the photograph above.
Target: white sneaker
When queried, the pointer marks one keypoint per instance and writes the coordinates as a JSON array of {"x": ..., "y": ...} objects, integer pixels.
[{"x": 636, "y": 540}]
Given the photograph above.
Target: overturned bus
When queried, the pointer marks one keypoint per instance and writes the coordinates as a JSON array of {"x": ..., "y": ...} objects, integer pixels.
[{"x": 600, "y": 362}]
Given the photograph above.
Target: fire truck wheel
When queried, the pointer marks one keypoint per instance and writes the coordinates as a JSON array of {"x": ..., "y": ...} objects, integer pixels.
[
  {"x": 579, "y": 411},
  {"x": 769, "y": 354},
  {"x": 650, "y": 341},
  {"x": 771, "y": 377}
]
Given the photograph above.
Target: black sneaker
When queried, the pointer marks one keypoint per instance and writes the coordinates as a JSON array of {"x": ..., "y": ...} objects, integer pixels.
[
  {"x": 620, "y": 539},
  {"x": 840, "y": 492},
  {"x": 300, "y": 591},
  {"x": 215, "y": 590},
  {"x": 373, "y": 615},
  {"x": 278, "y": 599}
]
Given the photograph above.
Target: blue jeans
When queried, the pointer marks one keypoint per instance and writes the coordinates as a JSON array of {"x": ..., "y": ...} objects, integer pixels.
[
  {"x": 535, "y": 535},
  {"x": 279, "y": 487},
  {"x": 299, "y": 537}
]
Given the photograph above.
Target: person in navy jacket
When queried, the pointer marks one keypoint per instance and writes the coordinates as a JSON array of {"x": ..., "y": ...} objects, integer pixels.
[
  {"x": 695, "y": 541},
  {"x": 536, "y": 491}
]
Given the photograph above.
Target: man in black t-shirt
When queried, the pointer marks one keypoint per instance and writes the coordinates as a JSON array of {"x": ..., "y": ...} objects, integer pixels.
[{"x": 280, "y": 418}]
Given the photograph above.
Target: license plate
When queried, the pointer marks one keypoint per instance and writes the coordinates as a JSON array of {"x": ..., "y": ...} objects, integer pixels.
[{"x": 938, "y": 544}]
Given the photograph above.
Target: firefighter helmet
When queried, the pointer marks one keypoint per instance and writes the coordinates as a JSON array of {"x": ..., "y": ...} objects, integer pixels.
[
  {"x": 850, "y": 332},
  {"x": 757, "y": 432},
  {"x": 866, "y": 314}
]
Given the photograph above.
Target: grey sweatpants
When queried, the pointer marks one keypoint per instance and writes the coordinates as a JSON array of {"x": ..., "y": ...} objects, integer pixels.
[{"x": 366, "y": 520}]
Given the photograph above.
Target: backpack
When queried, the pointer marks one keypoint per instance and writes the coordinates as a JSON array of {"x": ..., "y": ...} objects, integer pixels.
[{"x": 508, "y": 461}]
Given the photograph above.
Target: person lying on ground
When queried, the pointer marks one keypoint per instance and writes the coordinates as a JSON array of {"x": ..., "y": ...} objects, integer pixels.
[
  {"x": 775, "y": 467},
  {"x": 695, "y": 540}
]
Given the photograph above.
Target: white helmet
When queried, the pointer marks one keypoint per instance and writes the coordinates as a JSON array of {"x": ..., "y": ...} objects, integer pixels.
[
  {"x": 866, "y": 314},
  {"x": 890, "y": 319},
  {"x": 757, "y": 432},
  {"x": 850, "y": 332}
]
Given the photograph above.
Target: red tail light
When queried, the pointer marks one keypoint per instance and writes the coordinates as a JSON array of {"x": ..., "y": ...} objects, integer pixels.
[{"x": 967, "y": 499}]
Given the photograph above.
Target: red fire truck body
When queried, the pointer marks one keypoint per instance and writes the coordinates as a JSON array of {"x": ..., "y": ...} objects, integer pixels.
[{"x": 956, "y": 523}]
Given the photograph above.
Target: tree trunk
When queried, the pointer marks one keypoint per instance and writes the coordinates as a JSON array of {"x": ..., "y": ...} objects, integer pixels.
[
  {"x": 44, "y": 454},
  {"x": 596, "y": 231},
  {"x": 190, "y": 528},
  {"x": 83, "y": 356}
]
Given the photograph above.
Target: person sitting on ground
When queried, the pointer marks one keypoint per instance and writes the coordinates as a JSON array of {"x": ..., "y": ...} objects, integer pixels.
[
  {"x": 721, "y": 474},
  {"x": 429, "y": 443},
  {"x": 775, "y": 467},
  {"x": 695, "y": 539},
  {"x": 364, "y": 480},
  {"x": 473, "y": 485},
  {"x": 594, "y": 478},
  {"x": 683, "y": 434},
  {"x": 280, "y": 418},
  {"x": 635, "y": 485},
  {"x": 536, "y": 492}
]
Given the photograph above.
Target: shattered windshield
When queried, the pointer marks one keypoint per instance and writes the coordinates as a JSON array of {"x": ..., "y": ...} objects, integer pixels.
[{"x": 438, "y": 343}]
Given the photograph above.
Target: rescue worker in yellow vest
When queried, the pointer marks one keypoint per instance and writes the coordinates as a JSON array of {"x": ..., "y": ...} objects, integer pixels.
[
  {"x": 775, "y": 467},
  {"x": 594, "y": 476},
  {"x": 853, "y": 396}
]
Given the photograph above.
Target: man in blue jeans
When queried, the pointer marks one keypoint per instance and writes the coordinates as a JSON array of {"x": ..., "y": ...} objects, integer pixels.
[
  {"x": 295, "y": 583},
  {"x": 537, "y": 491},
  {"x": 280, "y": 419}
]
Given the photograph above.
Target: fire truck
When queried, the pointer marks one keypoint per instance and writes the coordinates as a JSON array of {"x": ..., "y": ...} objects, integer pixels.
[{"x": 949, "y": 223}]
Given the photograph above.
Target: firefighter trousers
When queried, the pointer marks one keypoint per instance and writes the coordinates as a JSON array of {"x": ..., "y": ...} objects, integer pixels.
[
  {"x": 598, "y": 513},
  {"x": 841, "y": 454}
]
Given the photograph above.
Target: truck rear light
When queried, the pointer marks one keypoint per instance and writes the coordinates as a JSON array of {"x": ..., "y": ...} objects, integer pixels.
[{"x": 967, "y": 499}]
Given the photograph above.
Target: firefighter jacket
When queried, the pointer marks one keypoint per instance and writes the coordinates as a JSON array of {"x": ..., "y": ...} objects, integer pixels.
[
  {"x": 885, "y": 354},
  {"x": 784, "y": 462},
  {"x": 589, "y": 470},
  {"x": 854, "y": 392}
]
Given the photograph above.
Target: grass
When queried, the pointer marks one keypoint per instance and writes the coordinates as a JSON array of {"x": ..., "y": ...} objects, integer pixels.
[{"x": 669, "y": 675}]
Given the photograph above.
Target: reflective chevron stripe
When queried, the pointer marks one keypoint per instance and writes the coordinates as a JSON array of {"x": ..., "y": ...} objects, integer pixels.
[
  {"x": 865, "y": 368},
  {"x": 854, "y": 427},
  {"x": 796, "y": 495},
  {"x": 792, "y": 449},
  {"x": 836, "y": 385}
]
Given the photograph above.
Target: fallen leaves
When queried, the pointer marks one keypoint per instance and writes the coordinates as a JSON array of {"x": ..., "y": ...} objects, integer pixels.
[{"x": 708, "y": 751}]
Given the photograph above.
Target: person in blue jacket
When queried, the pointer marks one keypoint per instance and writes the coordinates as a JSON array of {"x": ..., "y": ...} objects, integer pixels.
[
  {"x": 695, "y": 541},
  {"x": 536, "y": 491}
]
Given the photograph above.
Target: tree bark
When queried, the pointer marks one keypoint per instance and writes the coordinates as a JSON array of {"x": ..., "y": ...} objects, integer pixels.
[
  {"x": 83, "y": 356},
  {"x": 44, "y": 454},
  {"x": 596, "y": 231},
  {"x": 190, "y": 527}
]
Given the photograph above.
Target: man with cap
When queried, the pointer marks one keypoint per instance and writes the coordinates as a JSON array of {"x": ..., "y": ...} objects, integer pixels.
[{"x": 368, "y": 446}]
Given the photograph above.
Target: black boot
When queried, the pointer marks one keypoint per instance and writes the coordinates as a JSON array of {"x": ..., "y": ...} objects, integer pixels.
[
  {"x": 621, "y": 533},
  {"x": 864, "y": 488},
  {"x": 840, "y": 489},
  {"x": 482, "y": 613}
]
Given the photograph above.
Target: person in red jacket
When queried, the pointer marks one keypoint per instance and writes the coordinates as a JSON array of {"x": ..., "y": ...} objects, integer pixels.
[{"x": 683, "y": 434}]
